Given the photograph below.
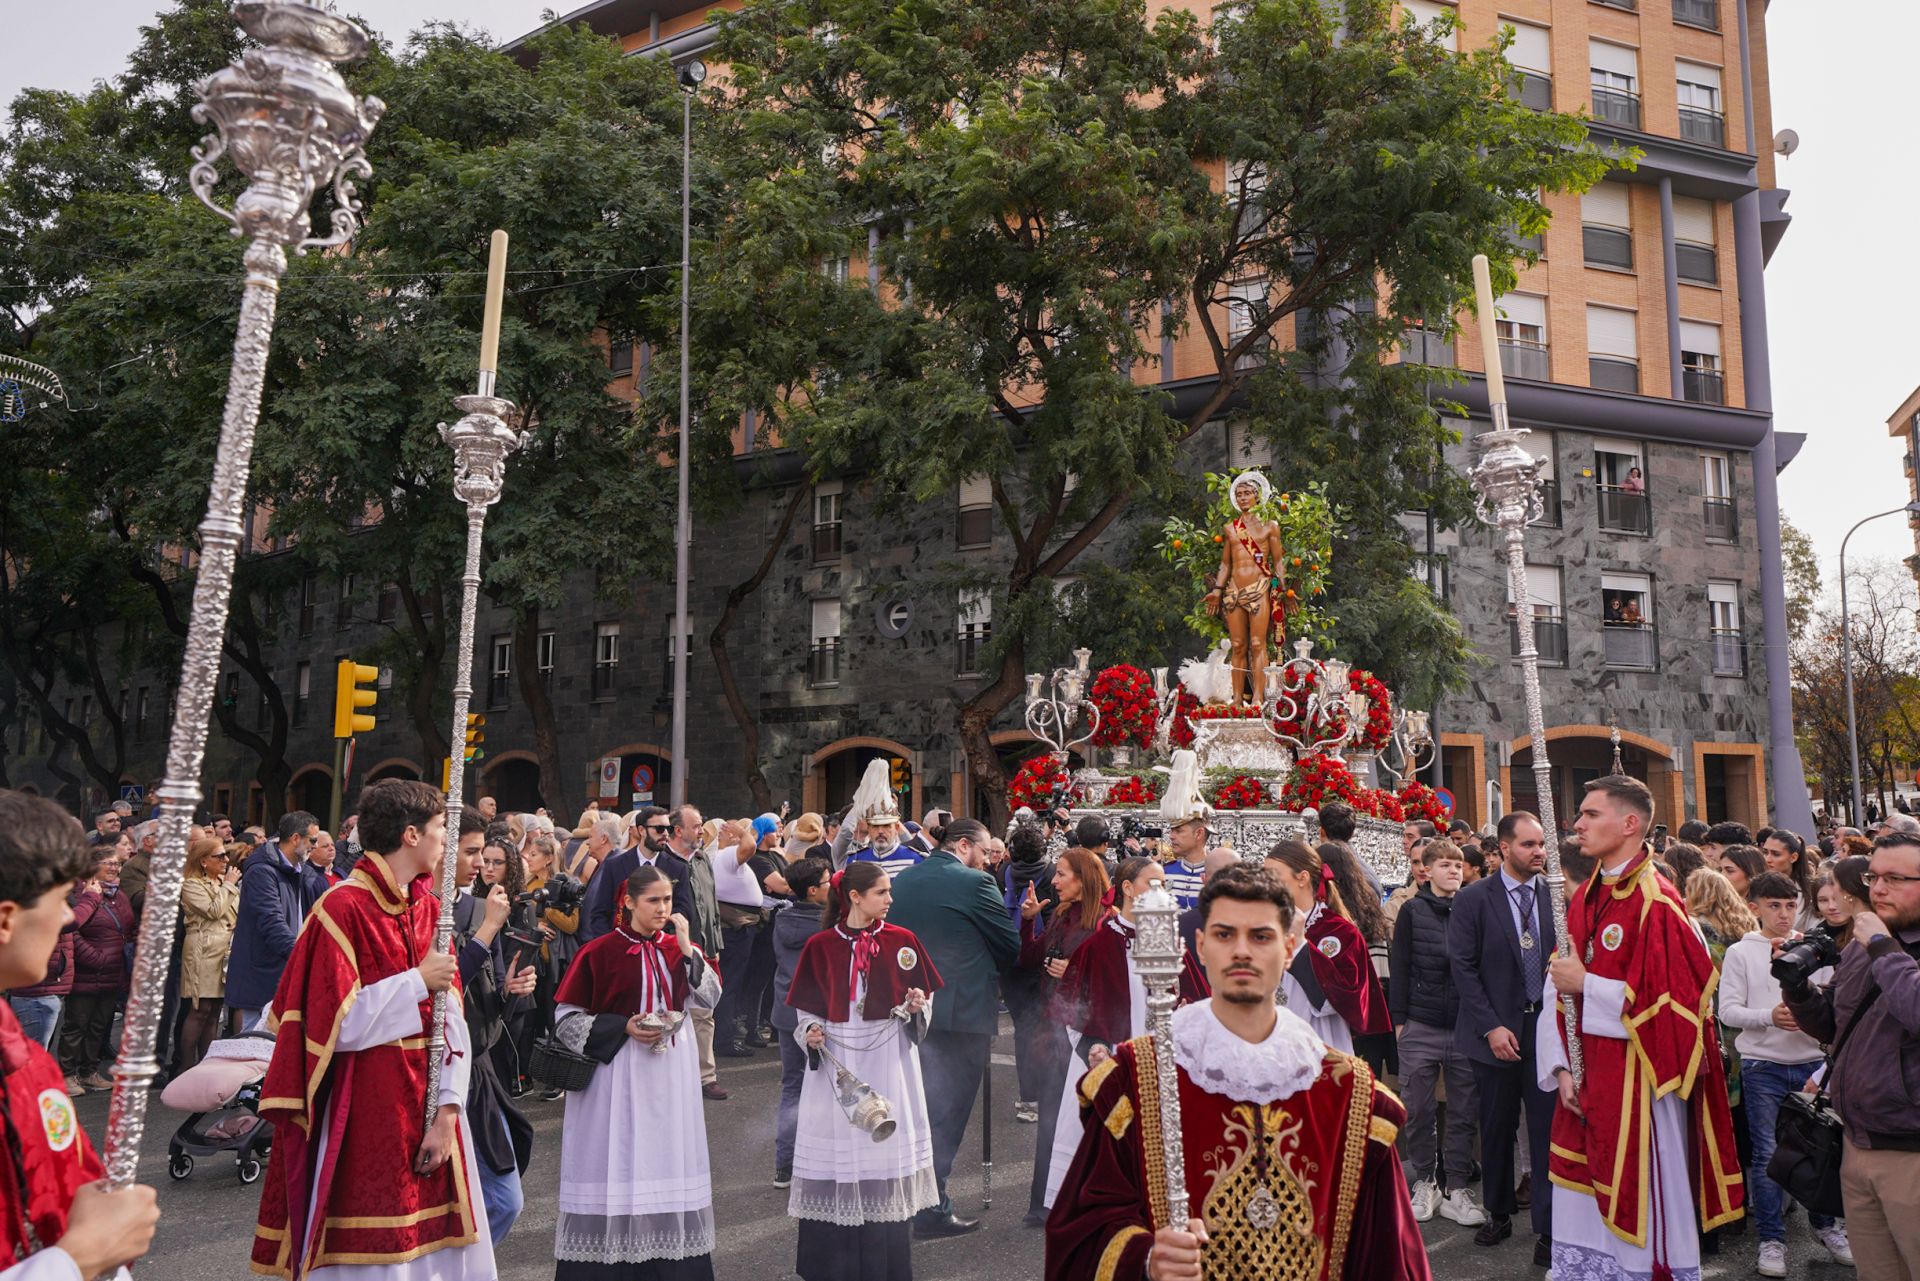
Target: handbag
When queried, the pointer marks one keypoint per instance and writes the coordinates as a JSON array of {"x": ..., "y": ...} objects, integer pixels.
[{"x": 1809, "y": 1138}]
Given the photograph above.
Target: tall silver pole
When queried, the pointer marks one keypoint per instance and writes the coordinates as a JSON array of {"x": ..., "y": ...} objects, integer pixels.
[
  {"x": 1510, "y": 501},
  {"x": 1157, "y": 950},
  {"x": 683, "y": 528},
  {"x": 1846, "y": 661},
  {"x": 291, "y": 125}
]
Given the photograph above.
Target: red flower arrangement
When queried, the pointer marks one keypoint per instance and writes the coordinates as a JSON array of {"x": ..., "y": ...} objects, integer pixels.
[
  {"x": 1242, "y": 792},
  {"x": 1292, "y": 727},
  {"x": 1317, "y": 780},
  {"x": 1185, "y": 708},
  {"x": 1380, "y": 802},
  {"x": 1124, "y": 696},
  {"x": 1418, "y": 801},
  {"x": 1379, "y": 728},
  {"x": 1135, "y": 791},
  {"x": 1035, "y": 782},
  {"x": 1225, "y": 712}
]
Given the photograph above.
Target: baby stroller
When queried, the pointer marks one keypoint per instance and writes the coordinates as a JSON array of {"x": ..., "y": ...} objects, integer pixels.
[{"x": 221, "y": 1095}]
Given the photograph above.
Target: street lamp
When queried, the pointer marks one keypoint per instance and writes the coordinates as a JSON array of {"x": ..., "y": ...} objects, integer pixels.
[
  {"x": 1846, "y": 654},
  {"x": 691, "y": 74}
]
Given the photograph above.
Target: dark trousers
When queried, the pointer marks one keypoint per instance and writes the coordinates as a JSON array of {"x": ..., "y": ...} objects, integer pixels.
[
  {"x": 951, "y": 1065},
  {"x": 1033, "y": 1035},
  {"x": 85, "y": 1031},
  {"x": 740, "y": 949},
  {"x": 1504, "y": 1089},
  {"x": 1052, "y": 1053}
]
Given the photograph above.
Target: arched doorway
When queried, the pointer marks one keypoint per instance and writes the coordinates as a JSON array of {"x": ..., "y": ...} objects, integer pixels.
[
  {"x": 311, "y": 790},
  {"x": 834, "y": 772},
  {"x": 513, "y": 780},
  {"x": 1581, "y": 753},
  {"x": 646, "y": 777}
]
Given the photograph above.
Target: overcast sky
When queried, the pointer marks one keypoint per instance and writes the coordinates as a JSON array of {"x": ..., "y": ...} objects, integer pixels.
[{"x": 1843, "y": 355}]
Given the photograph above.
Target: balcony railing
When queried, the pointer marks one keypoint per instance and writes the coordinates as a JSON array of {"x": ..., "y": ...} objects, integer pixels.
[
  {"x": 1698, "y": 264},
  {"x": 826, "y": 542},
  {"x": 1607, "y": 246},
  {"x": 1549, "y": 639},
  {"x": 1611, "y": 373},
  {"x": 1424, "y": 347},
  {"x": 1616, "y": 107},
  {"x": 1698, "y": 13},
  {"x": 972, "y": 639},
  {"x": 1522, "y": 359},
  {"x": 1549, "y": 491},
  {"x": 499, "y": 688},
  {"x": 975, "y": 528},
  {"x": 1635, "y": 645},
  {"x": 1729, "y": 652},
  {"x": 1631, "y": 6},
  {"x": 1702, "y": 126},
  {"x": 1623, "y": 511},
  {"x": 605, "y": 679},
  {"x": 823, "y": 663},
  {"x": 1531, "y": 89},
  {"x": 1536, "y": 242},
  {"x": 1721, "y": 518},
  {"x": 1704, "y": 386}
]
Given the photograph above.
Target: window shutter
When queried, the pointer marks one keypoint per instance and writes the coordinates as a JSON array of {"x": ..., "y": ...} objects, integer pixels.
[
  {"x": 1606, "y": 206},
  {"x": 1697, "y": 73},
  {"x": 1610, "y": 332},
  {"x": 1724, "y": 593},
  {"x": 1695, "y": 336},
  {"x": 826, "y": 620},
  {"x": 1523, "y": 309},
  {"x": 1693, "y": 220},
  {"x": 976, "y": 491},
  {"x": 1531, "y": 49},
  {"x": 1616, "y": 58}
]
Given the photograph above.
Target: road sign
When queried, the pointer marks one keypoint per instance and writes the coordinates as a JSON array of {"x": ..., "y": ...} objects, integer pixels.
[
  {"x": 643, "y": 779},
  {"x": 610, "y": 778},
  {"x": 133, "y": 793},
  {"x": 1446, "y": 799}
]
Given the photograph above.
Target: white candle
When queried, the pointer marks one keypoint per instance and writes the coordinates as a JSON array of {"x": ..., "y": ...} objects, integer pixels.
[
  {"x": 1489, "y": 335},
  {"x": 496, "y": 294}
]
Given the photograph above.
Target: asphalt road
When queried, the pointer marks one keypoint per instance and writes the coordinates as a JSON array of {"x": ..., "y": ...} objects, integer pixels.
[{"x": 207, "y": 1219}]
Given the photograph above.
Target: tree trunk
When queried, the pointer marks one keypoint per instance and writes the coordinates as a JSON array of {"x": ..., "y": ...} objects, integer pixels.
[
  {"x": 430, "y": 644},
  {"x": 743, "y": 718},
  {"x": 546, "y": 730},
  {"x": 976, "y": 734}
]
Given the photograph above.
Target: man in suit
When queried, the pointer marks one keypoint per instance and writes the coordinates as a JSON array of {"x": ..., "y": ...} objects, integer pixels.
[
  {"x": 609, "y": 880},
  {"x": 950, "y": 902},
  {"x": 1499, "y": 943}
]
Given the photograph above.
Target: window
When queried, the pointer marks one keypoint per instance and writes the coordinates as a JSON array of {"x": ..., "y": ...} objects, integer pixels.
[
  {"x": 1621, "y": 478},
  {"x": 823, "y": 661},
  {"x": 1695, "y": 259},
  {"x": 827, "y": 498},
  {"x": 838, "y": 270},
  {"x": 1522, "y": 326},
  {"x": 1723, "y": 619},
  {"x": 1546, "y": 479},
  {"x": 1246, "y": 189},
  {"x": 620, "y": 357},
  {"x": 673, "y": 653},
  {"x": 1427, "y": 13},
  {"x": 384, "y": 681},
  {"x": 1549, "y": 619},
  {"x": 976, "y": 513},
  {"x": 1626, "y": 603},
  {"x": 343, "y": 607},
  {"x": 1606, "y": 227},
  {"x": 606, "y": 658},
  {"x": 500, "y": 671},
  {"x": 1531, "y": 57},
  {"x": 1698, "y": 13},
  {"x": 1699, "y": 95},
  {"x": 1244, "y": 449},
  {"x": 302, "y": 691},
  {"x": 140, "y": 700},
  {"x": 388, "y": 607},
  {"x": 1700, "y": 375},
  {"x": 263, "y": 709},
  {"x": 1247, "y": 312},
  {"x": 308, "y": 598},
  {"x": 1433, "y": 572},
  {"x": 1420, "y": 345},
  {"x": 86, "y": 711},
  {"x": 975, "y": 627},
  {"x": 545, "y": 648},
  {"x": 1613, "y": 351},
  {"x": 1716, "y": 498},
  {"x": 1616, "y": 76}
]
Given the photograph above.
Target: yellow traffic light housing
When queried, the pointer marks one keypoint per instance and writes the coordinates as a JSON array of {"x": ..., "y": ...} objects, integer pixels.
[
  {"x": 897, "y": 768},
  {"x": 351, "y": 694},
  {"x": 476, "y": 735}
]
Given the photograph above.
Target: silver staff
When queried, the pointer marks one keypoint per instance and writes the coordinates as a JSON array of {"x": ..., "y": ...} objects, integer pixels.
[
  {"x": 481, "y": 441},
  {"x": 1157, "y": 951},
  {"x": 1510, "y": 500},
  {"x": 291, "y": 125}
]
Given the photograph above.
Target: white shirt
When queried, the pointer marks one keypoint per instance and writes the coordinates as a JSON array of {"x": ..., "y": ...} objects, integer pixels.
[{"x": 1510, "y": 886}]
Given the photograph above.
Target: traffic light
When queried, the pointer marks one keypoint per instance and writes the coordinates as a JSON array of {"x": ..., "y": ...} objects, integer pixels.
[
  {"x": 446, "y": 773},
  {"x": 350, "y": 694},
  {"x": 897, "y": 767},
  {"x": 476, "y": 735}
]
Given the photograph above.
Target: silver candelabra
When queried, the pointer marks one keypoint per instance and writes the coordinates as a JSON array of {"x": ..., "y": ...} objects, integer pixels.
[
  {"x": 1316, "y": 699},
  {"x": 1156, "y": 954},
  {"x": 1412, "y": 742},
  {"x": 286, "y": 118},
  {"x": 1056, "y": 702}
]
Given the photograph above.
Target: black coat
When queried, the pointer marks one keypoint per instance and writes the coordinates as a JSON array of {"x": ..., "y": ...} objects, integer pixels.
[
  {"x": 502, "y": 1136},
  {"x": 1422, "y": 989}
]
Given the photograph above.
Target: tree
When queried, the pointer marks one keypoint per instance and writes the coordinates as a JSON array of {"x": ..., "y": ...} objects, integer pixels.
[
  {"x": 1043, "y": 188},
  {"x": 1802, "y": 574},
  {"x": 1886, "y": 677}
]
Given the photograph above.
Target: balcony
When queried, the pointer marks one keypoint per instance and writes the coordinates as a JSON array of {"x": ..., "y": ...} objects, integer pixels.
[
  {"x": 499, "y": 689},
  {"x": 1631, "y": 6},
  {"x": 1520, "y": 358},
  {"x": 1616, "y": 107},
  {"x": 826, "y": 542},
  {"x": 1632, "y": 645},
  {"x": 972, "y": 640},
  {"x": 1531, "y": 89},
  {"x": 1698, "y": 13},
  {"x": 1624, "y": 511},
  {"x": 1696, "y": 264},
  {"x": 1521, "y": 244},
  {"x": 1704, "y": 386},
  {"x": 1549, "y": 639},
  {"x": 823, "y": 662},
  {"x": 1721, "y": 518},
  {"x": 1424, "y": 347},
  {"x": 1607, "y": 247},
  {"x": 1729, "y": 652},
  {"x": 1697, "y": 124},
  {"x": 1610, "y": 373},
  {"x": 1549, "y": 491},
  {"x": 975, "y": 527},
  {"x": 605, "y": 679}
]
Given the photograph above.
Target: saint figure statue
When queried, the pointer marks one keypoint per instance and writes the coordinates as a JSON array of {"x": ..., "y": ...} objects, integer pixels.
[{"x": 1249, "y": 591}]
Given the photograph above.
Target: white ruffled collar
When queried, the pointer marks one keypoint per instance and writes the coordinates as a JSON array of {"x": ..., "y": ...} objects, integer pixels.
[{"x": 1220, "y": 1062}]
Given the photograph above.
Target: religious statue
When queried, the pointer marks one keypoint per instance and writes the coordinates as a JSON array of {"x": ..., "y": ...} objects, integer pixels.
[{"x": 1249, "y": 590}]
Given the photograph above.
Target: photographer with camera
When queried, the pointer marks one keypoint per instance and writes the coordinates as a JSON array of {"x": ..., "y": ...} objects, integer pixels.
[
  {"x": 546, "y": 918},
  {"x": 1874, "y": 1003}
]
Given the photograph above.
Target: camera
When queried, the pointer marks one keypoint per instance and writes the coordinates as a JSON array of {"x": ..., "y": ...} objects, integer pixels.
[
  {"x": 1796, "y": 965},
  {"x": 1132, "y": 828},
  {"x": 561, "y": 893}
]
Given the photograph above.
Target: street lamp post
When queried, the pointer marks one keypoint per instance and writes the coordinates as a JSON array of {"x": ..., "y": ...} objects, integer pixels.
[
  {"x": 691, "y": 74},
  {"x": 1846, "y": 656}
]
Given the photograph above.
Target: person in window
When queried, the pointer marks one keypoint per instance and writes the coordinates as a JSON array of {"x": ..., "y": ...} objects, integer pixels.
[
  {"x": 1630, "y": 613},
  {"x": 1635, "y": 483},
  {"x": 1612, "y": 607}
]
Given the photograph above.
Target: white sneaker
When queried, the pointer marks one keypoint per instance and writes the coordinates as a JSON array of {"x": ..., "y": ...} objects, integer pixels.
[
  {"x": 1458, "y": 1205},
  {"x": 1426, "y": 1198},
  {"x": 1834, "y": 1238},
  {"x": 1773, "y": 1259}
]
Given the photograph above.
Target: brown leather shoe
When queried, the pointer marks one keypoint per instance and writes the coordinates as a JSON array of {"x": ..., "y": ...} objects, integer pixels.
[{"x": 712, "y": 1090}]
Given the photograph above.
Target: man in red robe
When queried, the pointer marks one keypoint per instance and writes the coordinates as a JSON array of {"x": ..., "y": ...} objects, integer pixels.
[
  {"x": 1643, "y": 1157},
  {"x": 1288, "y": 1144},
  {"x": 389, "y": 1197}
]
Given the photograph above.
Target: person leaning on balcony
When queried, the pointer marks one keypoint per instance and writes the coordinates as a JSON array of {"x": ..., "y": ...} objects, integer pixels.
[{"x": 1634, "y": 483}]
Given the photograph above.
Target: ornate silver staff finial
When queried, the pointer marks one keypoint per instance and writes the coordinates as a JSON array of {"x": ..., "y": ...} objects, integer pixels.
[
  {"x": 1613, "y": 720},
  {"x": 1156, "y": 953},
  {"x": 286, "y": 117}
]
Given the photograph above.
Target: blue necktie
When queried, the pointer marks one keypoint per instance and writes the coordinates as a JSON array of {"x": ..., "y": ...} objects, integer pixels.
[{"x": 1533, "y": 960}]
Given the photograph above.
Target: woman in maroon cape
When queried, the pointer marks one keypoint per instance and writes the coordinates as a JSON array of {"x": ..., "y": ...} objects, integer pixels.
[{"x": 1331, "y": 982}]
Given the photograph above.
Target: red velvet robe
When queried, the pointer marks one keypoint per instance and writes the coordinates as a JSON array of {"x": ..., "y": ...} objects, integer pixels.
[
  {"x": 1329, "y": 1161},
  {"x": 1345, "y": 972},
  {"x": 823, "y": 976},
  {"x": 1096, "y": 992},
  {"x": 1635, "y": 928},
  {"x": 369, "y": 1205},
  {"x": 54, "y": 1150},
  {"x": 607, "y": 975}
]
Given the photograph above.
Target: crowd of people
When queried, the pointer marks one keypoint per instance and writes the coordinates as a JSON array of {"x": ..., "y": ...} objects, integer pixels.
[{"x": 614, "y": 963}]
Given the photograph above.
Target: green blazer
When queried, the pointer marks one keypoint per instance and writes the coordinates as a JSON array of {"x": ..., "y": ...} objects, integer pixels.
[{"x": 960, "y": 918}]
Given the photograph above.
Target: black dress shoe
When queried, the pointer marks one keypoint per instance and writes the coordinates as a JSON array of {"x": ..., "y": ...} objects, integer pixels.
[
  {"x": 1543, "y": 1252},
  {"x": 950, "y": 1225},
  {"x": 1496, "y": 1229},
  {"x": 732, "y": 1050},
  {"x": 1035, "y": 1219}
]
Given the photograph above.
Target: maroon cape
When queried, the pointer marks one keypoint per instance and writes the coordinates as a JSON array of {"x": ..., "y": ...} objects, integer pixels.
[
  {"x": 1095, "y": 993},
  {"x": 823, "y": 977},
  {"x": 609, "y": 976},
  {"x": 1344, "y": 970}
]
